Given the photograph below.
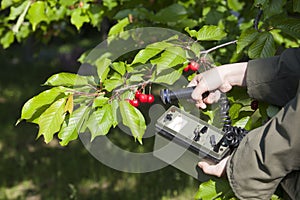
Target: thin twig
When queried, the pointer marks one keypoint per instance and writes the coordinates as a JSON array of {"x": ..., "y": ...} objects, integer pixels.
[
  {"x": 87, "y": 94},
  {"x": 21, "y": 18},
  {"x": 93, "y": 87},
  {"x": 129, "y": 87},
  {"x": 217, "y": 47}
]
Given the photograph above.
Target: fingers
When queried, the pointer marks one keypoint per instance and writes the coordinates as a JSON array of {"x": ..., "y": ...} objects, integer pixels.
[
  {"x": 201, "y": 86},
  {"x": 213, "y": 97},
  {"x": 201, "y": 104},
  {"x": 199, "y": 90},
  {"x": 215, "y": 170},
  {"x": 207, "y": 81},
  {"x": 195, "y": 80}
]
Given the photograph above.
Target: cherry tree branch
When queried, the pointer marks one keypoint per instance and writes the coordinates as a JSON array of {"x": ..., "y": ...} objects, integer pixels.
[
  {"x": 130, "y": 87},
  {"x": 217, "y": 47}
]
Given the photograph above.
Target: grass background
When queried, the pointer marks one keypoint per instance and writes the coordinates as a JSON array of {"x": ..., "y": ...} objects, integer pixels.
[{"x": 33, "y": 170}]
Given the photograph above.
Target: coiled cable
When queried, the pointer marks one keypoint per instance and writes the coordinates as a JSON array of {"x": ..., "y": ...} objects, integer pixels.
[{"x": 233, "y": 135}]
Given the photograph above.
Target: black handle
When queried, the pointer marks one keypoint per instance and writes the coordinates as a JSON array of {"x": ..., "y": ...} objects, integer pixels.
[{"x": 167, "y": 96}]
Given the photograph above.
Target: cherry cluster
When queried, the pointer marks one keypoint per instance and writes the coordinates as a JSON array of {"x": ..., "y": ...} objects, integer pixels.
[
  {"x": 141, "y": 98},
  {"x": 193, "y": 66}
]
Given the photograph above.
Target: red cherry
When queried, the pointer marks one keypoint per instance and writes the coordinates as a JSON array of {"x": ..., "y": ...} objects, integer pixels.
[
  {"x": 187, "y": 68},
  {"x": 194, "y": 66},
  {"x": 80, "y": 4},
  {"x": 134, "y": 102},
  {"x": 150, "y": 98},
  {"x": 143, "y": 98},
  {"x": 137, "y": 94}
]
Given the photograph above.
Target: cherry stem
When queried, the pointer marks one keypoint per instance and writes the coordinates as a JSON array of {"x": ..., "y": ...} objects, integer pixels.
[{"x": 150, "y": 87}]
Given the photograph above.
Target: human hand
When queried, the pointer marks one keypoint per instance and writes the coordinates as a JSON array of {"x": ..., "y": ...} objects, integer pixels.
[
  {"x": 215, "y": 170},
  {"x": 212, "y": 81},
  {"x": 217, "y": 80}
]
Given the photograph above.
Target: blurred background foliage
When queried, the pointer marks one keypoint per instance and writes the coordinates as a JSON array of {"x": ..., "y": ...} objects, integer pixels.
[
  {"x": 40, "y": 38},
  {"x": 31, "y": 169}
]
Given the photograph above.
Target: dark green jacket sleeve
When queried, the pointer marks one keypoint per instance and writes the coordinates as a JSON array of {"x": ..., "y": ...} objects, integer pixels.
[
  {"x": 275, "y": 79},
  {"x": 267, "y": 154}
]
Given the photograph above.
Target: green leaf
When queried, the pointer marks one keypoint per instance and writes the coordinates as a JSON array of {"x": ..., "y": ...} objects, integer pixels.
[
  {"x": 254, "y": 121},
  {"x": 50, "y": 121},
  {"x": 56, "y": 14},
  {"x": 262, "y": 107},
  {"x": 172, "y": 13},
  {"x": 247, "y": 37},
  {"x": 235, "y": 5},
  {"x": 207, "y": 33},
  {"x": 68, "y": 2},
  {"x": 96, "y": 14},
  {"x": 136, "y": 78},
  {"x": 72, "y": 125},
  {"x": 70, "y": 104},
  {"x": 296, "y": 6},
  {"x": 215, "y": 189},
  {"x": 23, "y": 32},
  {"x": 290, "y": 26},
  {"x": 186, "y": 23},
  {"x": 110, "y": 4},
  {"x": 16, "y": 11},
  {"x": 36, "y": 13},
  {"x": 263, "y": 47},
  {"x": 134, "y": 119},
  {"x": 261, "y": 3},
  {"x": 100, "y": 101},
  {"x": 119, "y": 27},
  {"x": 20, "y": 25},
  {"x": 78, "y": 18},
  {"x": 207, "y": 191},
  {"x": 169, "y": 58},
  {"x": 115, "y": 106},
  {"x": 145, "y": 54},
  {"x": 6, "y": 4},
  {"x": 52, "y": 3},
  {"x": 196, "y": 48},
  {"x": 102, "y": 65},
  {"x": 43, "y": 99},
  {"x": 100, "y": 121},
  {"x": 119, "y": 67},
  {"x": 150, "y": 51},
  {"x": 242, "y": 122},
  {"x": 275, "y": 197},
  {"x": 169, "y": 76},
  {"x": 235, "y": 110},
  {"x": 274, "y": 7},
  {"x": 210, "y": 114},
  {"x": 7, "y": 39},
  {"x": 67, "y": 79},
  {"x": 113, "y": 82}
]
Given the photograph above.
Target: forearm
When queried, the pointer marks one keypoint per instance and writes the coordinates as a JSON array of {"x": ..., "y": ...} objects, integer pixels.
[
  {"x": 267, "y": 154},
  {"x": 234, "y": 73},
  {"x": 274, "y": 80}
]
